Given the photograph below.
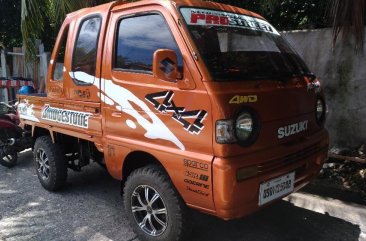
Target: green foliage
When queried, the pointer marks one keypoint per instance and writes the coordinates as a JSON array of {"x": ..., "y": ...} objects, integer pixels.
[
  {"x": 288, "y": 14},
  {"x": 40, "y": 15},
  {"x": 55, "y": 15},
  {"x": 32, "y": 24},
  {"x": 292, "y": 14},
  {"x": 57, "y": 9},
  {"x": 10, "y": 34},
  {"x": 349, "y": 16}
]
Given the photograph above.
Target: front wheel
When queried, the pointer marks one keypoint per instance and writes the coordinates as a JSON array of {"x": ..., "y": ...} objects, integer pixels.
[
  {"x": 154, "y": 209},
  {"x": 8, "y": 158}
]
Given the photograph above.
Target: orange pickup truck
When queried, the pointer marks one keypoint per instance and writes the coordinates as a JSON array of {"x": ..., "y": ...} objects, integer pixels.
[{"x": 192, "y": 105}]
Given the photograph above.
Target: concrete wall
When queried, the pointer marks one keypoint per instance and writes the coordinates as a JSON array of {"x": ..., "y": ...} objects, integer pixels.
[{"x": 342, "y": 73}]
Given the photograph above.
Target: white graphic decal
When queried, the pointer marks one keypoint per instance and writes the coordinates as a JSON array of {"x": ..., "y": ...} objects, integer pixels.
[
  {"x": 67, "y": 117},
  {"x": 206, "y": 17},
  {"x": 113, "y": 94},
  {"x": 131, "y": 124},
  {"x": 26, "y": 111},
  {"x": 106, "y": 99}
]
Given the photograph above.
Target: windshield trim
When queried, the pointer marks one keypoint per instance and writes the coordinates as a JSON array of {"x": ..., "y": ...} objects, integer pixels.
[{"x": 226, "y": 13}]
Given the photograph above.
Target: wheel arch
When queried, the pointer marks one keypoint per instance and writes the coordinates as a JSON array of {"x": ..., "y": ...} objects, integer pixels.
[
  {"x": 56, "y": 137},
  {"x": 38, "y": 131},
  {"x": 138, "y": 159}
]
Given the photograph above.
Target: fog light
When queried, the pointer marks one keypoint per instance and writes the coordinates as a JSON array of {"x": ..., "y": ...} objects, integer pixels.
[{"x": 247, "y": 172}]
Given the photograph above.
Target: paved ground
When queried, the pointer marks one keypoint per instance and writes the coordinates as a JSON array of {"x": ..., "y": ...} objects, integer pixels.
[{"x": 90, "y": 209}]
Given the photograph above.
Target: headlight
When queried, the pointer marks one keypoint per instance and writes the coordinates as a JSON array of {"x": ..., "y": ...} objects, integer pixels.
[
  {"x": 320, "y": 110},
  {"x": 244, "y": 130},
  {"x": 244, "y": 126}
]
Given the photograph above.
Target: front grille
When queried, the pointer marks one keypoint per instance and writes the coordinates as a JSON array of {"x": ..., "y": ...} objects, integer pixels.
[{"x": 279, "y": 163}]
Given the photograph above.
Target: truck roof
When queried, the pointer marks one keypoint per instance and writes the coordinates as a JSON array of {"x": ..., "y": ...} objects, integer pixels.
[{"x": 122, "y": 4}]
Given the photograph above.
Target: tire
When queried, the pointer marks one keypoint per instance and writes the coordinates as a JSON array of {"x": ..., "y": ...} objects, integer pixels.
[
  {"x": 172, "y": 211},
  {"x": 50, "y": 164},
  {"x": 8, "y": 159}
]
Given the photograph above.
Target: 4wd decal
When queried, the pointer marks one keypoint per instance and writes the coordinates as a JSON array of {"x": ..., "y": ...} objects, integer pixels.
[
  {"x": 195, "y": 16},
  {"x": 179, "y": 113},
  {"x": 124, "y": 100},
  {"x": 238, "y": 99},
  {"x": 67, "y": 117}
]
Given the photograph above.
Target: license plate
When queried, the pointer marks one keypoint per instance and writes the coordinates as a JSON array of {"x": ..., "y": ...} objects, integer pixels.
[{"x": 276, "y": 188}]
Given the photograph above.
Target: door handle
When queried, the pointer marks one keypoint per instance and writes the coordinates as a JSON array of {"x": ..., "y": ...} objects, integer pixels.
[{"x": 117, "y": 114}]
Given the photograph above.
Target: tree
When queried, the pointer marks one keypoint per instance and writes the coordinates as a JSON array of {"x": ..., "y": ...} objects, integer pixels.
[
  {"x": 349, "y": 16},
  {"x": 39, "y": 15},
  {"x": 288, "y": 14},
  {"x": 344, "y": 15},
  {"x": 44, "y": 17},
  {"x": 10, "y": 23}
]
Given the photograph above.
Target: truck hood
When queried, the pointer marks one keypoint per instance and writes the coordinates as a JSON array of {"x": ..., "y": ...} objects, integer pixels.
[{"x": 285, "y": 110}]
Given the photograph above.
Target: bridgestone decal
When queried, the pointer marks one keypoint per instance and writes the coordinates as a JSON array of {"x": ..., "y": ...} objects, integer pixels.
[
  {"x": 206, "y": 17},
  {"x": 67, "y": 117}
]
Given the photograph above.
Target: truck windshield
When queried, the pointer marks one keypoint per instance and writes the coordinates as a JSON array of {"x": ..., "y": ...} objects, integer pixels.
[{"x": 241, "y": 47}]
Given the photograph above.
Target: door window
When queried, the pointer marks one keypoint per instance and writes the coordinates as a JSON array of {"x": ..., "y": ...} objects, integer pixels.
[
  {"x": 138, "y": 38},
  {"x": 58, "y": 72},
  {"x": 86, "y": 48}
]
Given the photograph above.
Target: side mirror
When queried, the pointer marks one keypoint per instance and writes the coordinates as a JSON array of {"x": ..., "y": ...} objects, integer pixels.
[{"x": 165, "y": 65}]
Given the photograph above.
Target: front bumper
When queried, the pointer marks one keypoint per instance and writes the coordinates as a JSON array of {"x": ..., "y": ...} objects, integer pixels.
[{"x": 235, "y": 199}]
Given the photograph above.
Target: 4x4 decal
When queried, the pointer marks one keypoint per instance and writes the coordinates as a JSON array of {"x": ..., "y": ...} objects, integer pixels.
[{"x": 179, "y": 113}]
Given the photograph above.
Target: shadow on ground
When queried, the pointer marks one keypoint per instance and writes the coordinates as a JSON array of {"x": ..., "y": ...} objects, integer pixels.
[
  {"x": 282, "y": 222},
  {"x": 327, "y": 188},
  {"x": 90, "y": 208}
]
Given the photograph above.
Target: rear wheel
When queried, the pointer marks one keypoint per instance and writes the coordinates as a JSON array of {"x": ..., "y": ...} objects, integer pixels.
[
  {"x": 50, "y": 164},
  {"x": 154, "y": 209}
]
